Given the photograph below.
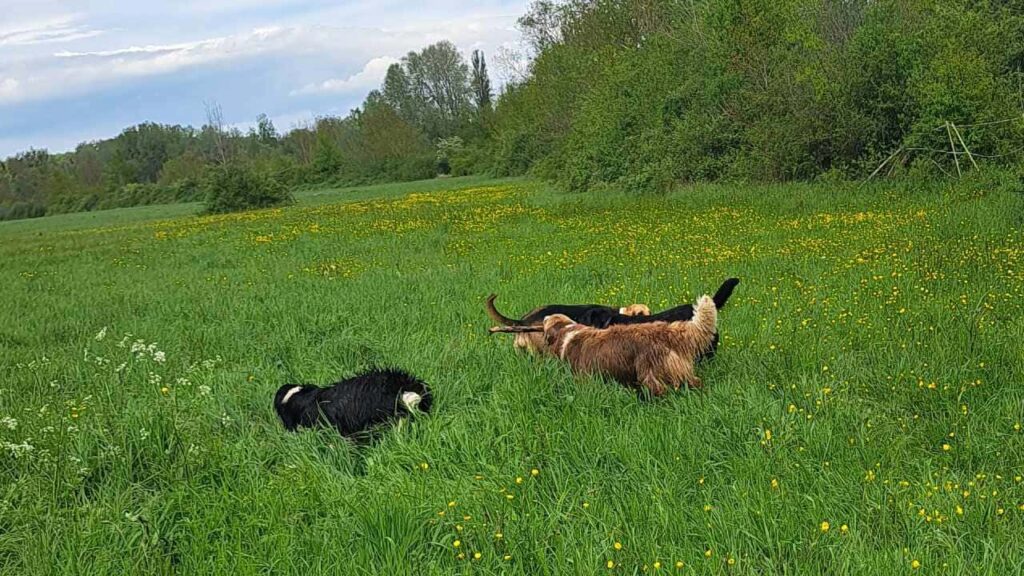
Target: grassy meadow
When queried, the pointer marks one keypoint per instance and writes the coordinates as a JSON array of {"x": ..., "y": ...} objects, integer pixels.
[{"x": 863, "y": 415}]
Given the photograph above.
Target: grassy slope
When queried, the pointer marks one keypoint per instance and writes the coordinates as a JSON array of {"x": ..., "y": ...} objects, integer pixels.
[{"x": 870, "y": 330}]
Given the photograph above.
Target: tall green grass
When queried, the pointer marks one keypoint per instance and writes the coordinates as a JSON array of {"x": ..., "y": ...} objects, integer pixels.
[{"x": 862, "y": 417}]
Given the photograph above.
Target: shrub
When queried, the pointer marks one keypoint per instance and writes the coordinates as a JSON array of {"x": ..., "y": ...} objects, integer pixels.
[
  {"x": 236, "y": 187},
  {"x": 19, "y": 210}
]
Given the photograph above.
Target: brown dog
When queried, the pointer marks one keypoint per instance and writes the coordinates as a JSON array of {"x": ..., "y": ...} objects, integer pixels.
[{"x": 653, "y": 355}]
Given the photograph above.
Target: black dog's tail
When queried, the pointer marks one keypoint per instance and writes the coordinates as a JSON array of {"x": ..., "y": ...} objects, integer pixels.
[
  {"x": 498, "y": 317},
  {"x": 724, "y": 292}
]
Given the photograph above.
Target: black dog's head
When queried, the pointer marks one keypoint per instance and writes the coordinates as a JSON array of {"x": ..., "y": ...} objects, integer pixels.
[{"x": 297, "y": 405}]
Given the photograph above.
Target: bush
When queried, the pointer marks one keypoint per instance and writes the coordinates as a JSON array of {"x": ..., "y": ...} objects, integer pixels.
[
  {"x": 20, "y": 210},
  {"x": 235, "y": 187}
]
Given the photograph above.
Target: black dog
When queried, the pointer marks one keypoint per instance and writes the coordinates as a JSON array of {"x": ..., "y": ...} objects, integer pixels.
[
  {"x": 354, "y": 404},
  {"x": 603, "y": 317}
]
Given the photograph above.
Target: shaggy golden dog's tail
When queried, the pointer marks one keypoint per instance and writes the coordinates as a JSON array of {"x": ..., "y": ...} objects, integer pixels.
[
  {"x": 498, "y": 317},
  {"x": 705, "y": 322}
]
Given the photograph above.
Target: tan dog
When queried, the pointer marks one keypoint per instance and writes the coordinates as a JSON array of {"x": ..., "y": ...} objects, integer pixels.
[{"x": 654, "y": 355}]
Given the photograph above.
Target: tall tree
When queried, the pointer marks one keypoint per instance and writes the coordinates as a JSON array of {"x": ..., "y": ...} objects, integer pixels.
[
  {"x": 481, "y": 83},
  {"x": 439, "y": 77},
  {"x": 266, "y": 133}
]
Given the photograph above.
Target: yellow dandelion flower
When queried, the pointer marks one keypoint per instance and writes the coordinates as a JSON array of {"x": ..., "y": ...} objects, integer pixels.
[
  {"x": 164, "y": 390},
  {"x": 618, "y": 545},
  {"x": 424, "y": 466},
  {"x": 498, "y": 535},
  {"x": 730, "y": 561},
  {"x": 707, "y": 507},
  {"x": 915, "y": 564},
  {"x": 509, "y": 496},
  {"x": 586, "y": 504},
  {"x": 451, "y": 504},
  {"x": 825, "y": 526},
  {"x": 946, "y": 447},
  {"x": 611, "y": 564},
  {"x": 519, "y": 479},
  {"x": 534, "y": 472},
  {"x": 457, "y": 543},
  {"x": 708, "y": 553},
  {"x": 775, "y": 484},
  {"x": 679, "y": 564},
  {"x": 507, "y": 557},
  {"x": 477, "y": 555},
  {"x": 657, "y": 565},
  {"x": 844, "y": 529}
]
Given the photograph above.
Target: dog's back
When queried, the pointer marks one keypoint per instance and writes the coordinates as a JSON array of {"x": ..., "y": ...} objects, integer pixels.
[
  {"x": 654, "y": 355},
  {"x": 355, "y": 404}
]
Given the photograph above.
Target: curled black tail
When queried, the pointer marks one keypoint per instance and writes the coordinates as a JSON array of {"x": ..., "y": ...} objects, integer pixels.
[
  {"x": 498, "y": 317},
  {"x": 724, "y": 292}
]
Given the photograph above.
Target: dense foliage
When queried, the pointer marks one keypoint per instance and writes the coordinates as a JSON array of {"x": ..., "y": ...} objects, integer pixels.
[
  {"x": 648, "y": 93},
  {"x": 235, "y": 187},
  {"x": 642, "y": 94}
]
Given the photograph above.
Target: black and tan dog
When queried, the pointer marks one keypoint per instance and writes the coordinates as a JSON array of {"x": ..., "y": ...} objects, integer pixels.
[
  {"x": 601, "y": 317},
  {"x": 354, "y": 404},
  {"x": 589, "y": 314},
  {"x": 652, "y": 355}
]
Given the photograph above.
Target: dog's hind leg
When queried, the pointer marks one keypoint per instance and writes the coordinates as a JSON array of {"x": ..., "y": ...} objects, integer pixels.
[{"x": 690, "y": 377}]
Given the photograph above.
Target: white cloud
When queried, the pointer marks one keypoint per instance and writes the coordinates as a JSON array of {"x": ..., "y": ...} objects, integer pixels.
[
  {"x": 367, "y": 79},
  {"x": 45, "y": 31},
  {"x": 8, "y": 86}
]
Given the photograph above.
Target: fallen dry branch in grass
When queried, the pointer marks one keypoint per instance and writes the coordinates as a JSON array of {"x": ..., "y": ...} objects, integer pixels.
[{"x": 516, "y": 329}]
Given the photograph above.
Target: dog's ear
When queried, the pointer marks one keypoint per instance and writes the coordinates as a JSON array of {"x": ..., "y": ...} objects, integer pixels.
[{"x": 554, "y": 325}]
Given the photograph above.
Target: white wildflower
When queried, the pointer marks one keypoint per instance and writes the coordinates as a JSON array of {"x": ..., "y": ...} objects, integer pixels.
[
  {"x": 225, "y": 420},
  {"x": 204, "y": 390},
  {"x": 159, "y": 357},
  {"x": 102, "y": 334},
  {"x": 143, "y": 434},
  {"x": 18, "y": 450},
  {"x": 8, "y": 422},
  {"x": 121, "y": 367}
]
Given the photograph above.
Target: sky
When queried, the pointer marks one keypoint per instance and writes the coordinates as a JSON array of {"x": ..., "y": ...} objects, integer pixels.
[{"x": 78, "y": 70}]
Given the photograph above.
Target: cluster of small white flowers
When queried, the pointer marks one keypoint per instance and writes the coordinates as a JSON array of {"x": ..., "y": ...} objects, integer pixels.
[
  {"x": 98, "y": 360},
  {"x": 204, "y": 364},
  {"x": 33, "y": 364},
  {"x": 143, "y": 434},
  {"x": 204, "y": 390},
  {"x": 154, "y": 379},
  {"x": 8, "y": 422},
  {"x": 182, "y": 382},
  {"x": 18, "y": 450},
  {"x": 225, "y": 420},
  {"x": 101, "y": 335}
]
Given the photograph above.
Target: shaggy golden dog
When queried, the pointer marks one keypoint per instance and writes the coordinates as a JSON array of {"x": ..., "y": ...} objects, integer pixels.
[
  {"x": 589, "y": 314},
  {"x": 653, "y": 355}
]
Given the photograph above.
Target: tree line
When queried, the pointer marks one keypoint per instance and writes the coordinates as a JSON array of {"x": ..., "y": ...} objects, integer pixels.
[
  {"x": 636, "y": 94},
  {"x": 430, "y": 113}
]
